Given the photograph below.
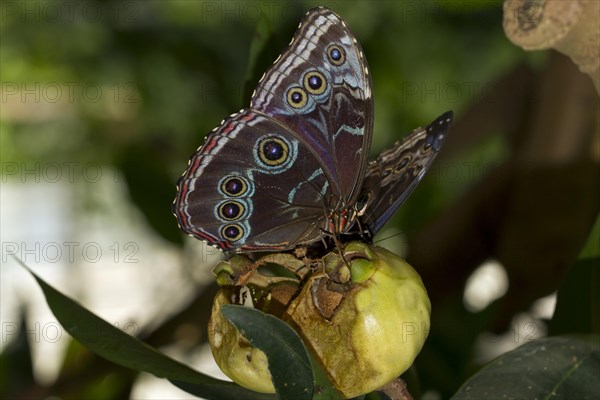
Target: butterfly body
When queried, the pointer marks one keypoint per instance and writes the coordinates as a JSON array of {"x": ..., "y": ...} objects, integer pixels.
[{"x": 292, "y": 167}]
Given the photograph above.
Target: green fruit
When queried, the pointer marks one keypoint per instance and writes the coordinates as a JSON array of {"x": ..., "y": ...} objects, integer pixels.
[
  {"x": 365, "y": 329},
  {"x": 244, "y": 364}
]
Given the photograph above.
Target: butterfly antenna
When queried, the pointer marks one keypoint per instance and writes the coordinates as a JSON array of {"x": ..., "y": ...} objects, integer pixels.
[
  {"x": 338, "y": 246},
  {"x": 388, "y": 237},
  {"x": 337, "y": 243}
]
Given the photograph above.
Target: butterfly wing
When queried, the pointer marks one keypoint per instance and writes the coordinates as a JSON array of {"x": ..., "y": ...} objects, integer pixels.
[
  {"x": 397, "y": 171},
  {"x": 266, "y": 178},
  {"x": 252, "y": 186},
  {"x": 320, "y": 88}
]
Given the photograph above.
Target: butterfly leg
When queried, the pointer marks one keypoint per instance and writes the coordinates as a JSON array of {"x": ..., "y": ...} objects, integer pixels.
[{"x": 336, "y": 242}]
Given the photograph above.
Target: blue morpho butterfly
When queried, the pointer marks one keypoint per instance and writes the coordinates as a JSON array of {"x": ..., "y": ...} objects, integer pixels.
[{"x": 292, "y": 169}]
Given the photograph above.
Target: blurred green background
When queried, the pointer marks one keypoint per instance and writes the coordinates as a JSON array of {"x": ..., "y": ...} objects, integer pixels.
[{"x": 104, "y": 102}]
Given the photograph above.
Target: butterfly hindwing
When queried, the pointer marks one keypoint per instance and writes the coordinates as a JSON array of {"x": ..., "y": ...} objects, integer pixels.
[{"x": 252, "y": 186}]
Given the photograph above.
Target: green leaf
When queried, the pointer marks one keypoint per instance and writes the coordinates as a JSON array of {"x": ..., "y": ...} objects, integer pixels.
[
  {"x": 16, "y": 370},
  {"x": 295, "y": 374},
  {"x": 554, "y": 367},
  {"x": 115, "y": 345},
  {"x": 579, "y": 292},
  {"x": 323, "y": 388},
  {"x": 288, "y": 360}
]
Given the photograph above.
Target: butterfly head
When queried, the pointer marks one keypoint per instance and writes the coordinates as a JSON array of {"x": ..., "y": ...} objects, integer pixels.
[{"x": 340, "y": 217}]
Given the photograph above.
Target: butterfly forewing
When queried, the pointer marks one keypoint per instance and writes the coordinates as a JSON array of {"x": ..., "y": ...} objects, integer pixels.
[
  {"x": 321, "y": 89},
  {"x": 397, "y": 171}
]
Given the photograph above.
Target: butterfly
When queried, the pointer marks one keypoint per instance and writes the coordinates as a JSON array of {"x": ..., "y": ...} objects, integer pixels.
[{"x": 293, "y": 167}]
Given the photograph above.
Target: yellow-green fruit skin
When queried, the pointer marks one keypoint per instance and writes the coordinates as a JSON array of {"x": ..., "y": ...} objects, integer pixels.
[
  {"x": 392, "y": 323},
  {"x": 245, "y": 365},
  {"x": 375, "y": 333},
  {"x": 373, "y": 336}
]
